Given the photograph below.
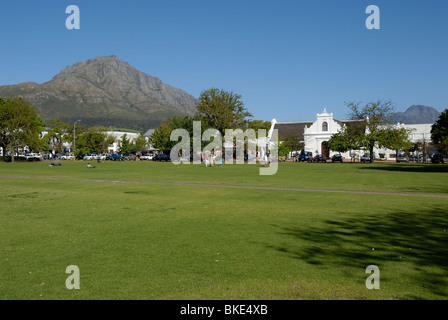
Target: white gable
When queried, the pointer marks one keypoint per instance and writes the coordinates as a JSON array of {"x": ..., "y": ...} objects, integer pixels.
[{"x": 324, "y": 125}]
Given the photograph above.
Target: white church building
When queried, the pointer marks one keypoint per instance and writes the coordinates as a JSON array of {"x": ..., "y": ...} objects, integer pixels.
[{"x": 315, "y": 133}]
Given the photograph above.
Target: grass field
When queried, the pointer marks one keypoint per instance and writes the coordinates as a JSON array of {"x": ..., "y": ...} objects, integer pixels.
[{"x": 133, "y": 239}]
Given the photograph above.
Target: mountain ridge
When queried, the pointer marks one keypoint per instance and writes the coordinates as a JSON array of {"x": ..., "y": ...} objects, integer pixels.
[
  {"x": 416, "y": 114},
  {"x": 105, "y": 91}
]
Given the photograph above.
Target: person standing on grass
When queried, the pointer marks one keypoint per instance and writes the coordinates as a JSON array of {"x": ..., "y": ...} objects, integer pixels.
[{"x": 206, "y": 159}]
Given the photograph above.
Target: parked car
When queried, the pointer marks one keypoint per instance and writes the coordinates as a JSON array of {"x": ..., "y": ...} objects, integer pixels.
[
  {"x": 439, "y": 158},
  {"x": 337, "y": 158},
  {"x": 161, "y": 157},
  {"x": 365, "y": 157},
  {"x": 320, "y": 158},
  {"x": 101, "y": 157},
  {"x": 305, "y": 156},
  {"x": 33, "y": 156},
  {"x": 129, "y": 157},
  {"x": 402, "y": 157},
  {"x": 115, "y": 157},
  {"x": 67, "y": 156},
  {"x": 147, "y": 157},
  {"x": 90, "y": 156}
]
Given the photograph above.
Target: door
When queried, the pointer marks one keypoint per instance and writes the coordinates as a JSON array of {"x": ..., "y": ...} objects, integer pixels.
[{"x": 324, "y": 150}]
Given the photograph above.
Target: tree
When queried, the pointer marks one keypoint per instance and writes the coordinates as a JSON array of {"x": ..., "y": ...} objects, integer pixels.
[
  {"x": 57, "y": 134},
  {"x": 378, "y": 131},
  {"x": 259, "y": 124},
  {"x": 125, "y": 145},
  {"x": 139, "y": 143},
  {"x": 94, "y": 140},
  {"x": 2, "y": 132},
  {"x": 439, "y": 133},
  {"x": 283, "y": 149},
  {"x": 293, "y": 143},
  {"x": 395, "y": 138},
  {"x": 19, "y": 125},
  {"x": 341, "y": 141},
  {"x": 160, "y": 138},
  {"x": 425, "y": 146},
  {"x": 222, "y": 110}
]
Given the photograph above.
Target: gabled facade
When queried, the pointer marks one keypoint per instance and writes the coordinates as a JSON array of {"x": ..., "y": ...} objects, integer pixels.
[{"x": 315, "y": 133}]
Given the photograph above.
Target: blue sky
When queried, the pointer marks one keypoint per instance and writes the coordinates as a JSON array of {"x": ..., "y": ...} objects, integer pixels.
[{"x": 288, "y": 59}]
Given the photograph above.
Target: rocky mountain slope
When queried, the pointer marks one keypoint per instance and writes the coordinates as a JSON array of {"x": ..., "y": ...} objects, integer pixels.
[
  {"x": 417, "y": 114},
  {"x": 105, "y": 91}
]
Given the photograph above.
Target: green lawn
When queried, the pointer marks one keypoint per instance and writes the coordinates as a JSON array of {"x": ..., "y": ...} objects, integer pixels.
[{"x": 149, "y": 241}]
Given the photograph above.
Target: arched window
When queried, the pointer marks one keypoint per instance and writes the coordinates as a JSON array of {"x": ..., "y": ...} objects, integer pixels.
[{"x": 324, "y": 126}]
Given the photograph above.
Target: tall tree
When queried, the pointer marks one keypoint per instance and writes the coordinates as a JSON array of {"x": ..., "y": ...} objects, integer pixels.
[
  {"x": 284, "y": 149},
  {"x": 160, "y": 138},
  {"x": 379, "y": 132},
  {"x": 57, "y": 134},
  {"x": 439, "y": 132},
  {"x": 425, "y": 146},
  {"x": 20, "y": 125},
  {"x": 139, "y": 143},
  {"x": 125, "y": 145},
  {"x": 222, "y": 110},
  {"x": 259, "y": 124},
  {"x": 94, "y": 140},
  {"x": 2, "y": 132},
  {"x": 293, "y": 143},
  {"x": 342, "y": 141}
]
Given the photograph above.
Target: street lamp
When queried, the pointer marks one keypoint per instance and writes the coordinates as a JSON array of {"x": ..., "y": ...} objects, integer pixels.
[{"x": 74, "y": 137}]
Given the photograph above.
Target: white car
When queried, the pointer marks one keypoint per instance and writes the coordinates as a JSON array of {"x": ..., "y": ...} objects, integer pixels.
[
  {"x": 30, "y": 156},
  {"x": 68, "y": 156},
  {"x": 147, "y": 157},
  {"x": 90, "y": 157}
]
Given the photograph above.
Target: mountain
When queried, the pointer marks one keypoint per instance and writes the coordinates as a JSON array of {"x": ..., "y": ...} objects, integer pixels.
[
  {"x": 105, "y": 91},
  {"x": 417, "y": 114}
]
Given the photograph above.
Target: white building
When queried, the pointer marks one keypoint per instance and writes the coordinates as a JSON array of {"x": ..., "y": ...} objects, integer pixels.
[
  {"x": 315, "y": 133},
  {"x": 118, "y": 137}
]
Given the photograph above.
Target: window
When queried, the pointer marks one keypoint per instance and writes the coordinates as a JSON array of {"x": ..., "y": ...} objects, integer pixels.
[{"x": 324, "y": 126}]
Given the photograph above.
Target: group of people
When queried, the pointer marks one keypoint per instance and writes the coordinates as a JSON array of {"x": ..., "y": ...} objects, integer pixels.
[
  {"x": 210, "y": 158},
  {"x": 89, "y": 166}
]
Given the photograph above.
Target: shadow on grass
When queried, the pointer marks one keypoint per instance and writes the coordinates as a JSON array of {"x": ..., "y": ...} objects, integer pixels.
[
  {"x": 418, "y": 239},
  {"x": 408, "y": 167}
]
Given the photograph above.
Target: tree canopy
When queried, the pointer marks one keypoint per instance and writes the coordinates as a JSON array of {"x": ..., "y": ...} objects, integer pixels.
[
  {"x": 160, "y": 138},
  {"x": 58, "y": 133},
  {"x": 94, "y": 140},
  {"x": 217, "y": 109},
  {"x": 19, "y": 125},
  {"x": 222, "y": 110},
  {"x": 291, "y": 143},
  {"x": 439, "y": 132},
  {"x": 343, "y": 141},
  {"x": 375, "y": 129}
]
